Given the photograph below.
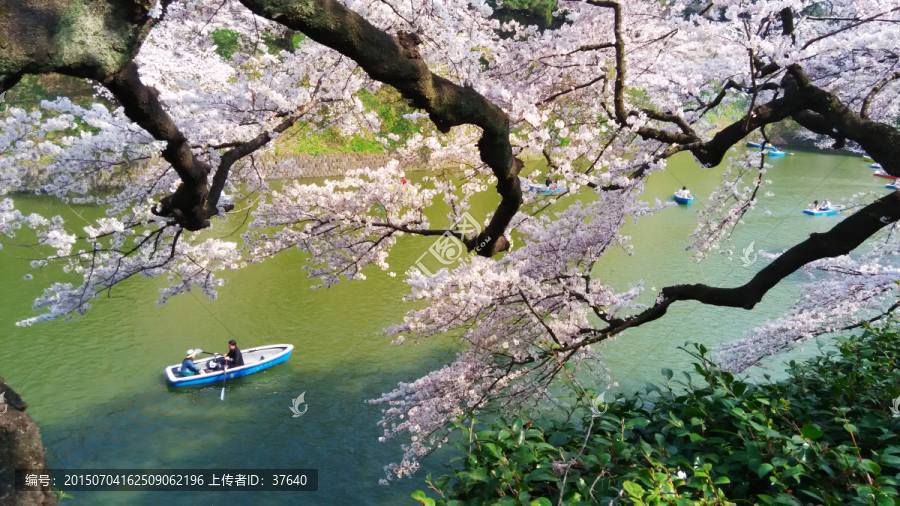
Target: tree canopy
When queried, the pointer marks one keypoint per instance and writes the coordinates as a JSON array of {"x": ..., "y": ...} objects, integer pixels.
[{"x": 606, "y": 93}]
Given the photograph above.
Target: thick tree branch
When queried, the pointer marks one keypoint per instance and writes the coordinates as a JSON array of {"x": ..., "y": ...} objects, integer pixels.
[
  {"x": 240, "y": 150},
  {"x": 230, "y": 157},
  {"x": 840, "y": 240},
  {"x": 787, "y": 21},
  {"x": 396, "y": 61},
  {"x": 142, "y": 106},
  {"x": 709, "y": 153},
  {"x": 881, "y": 141}
]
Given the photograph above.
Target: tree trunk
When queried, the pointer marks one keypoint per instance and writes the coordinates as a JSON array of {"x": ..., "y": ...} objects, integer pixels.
[{"x": 20, "y": 448}]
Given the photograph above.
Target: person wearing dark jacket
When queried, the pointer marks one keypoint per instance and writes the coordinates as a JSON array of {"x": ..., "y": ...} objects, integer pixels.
[{"x": 233, "y": 358}]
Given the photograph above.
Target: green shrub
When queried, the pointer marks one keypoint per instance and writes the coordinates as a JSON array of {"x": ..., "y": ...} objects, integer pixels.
[
  {"x": 824, "y": 435},
  {"x": 226, "y": 42},
  {"x": 389, "y": 106}
]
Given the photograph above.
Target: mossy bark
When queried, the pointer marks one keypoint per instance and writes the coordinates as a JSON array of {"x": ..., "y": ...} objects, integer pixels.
[
  {"x": 20, "y": 448},
  {"x": 81, "y": 38}
]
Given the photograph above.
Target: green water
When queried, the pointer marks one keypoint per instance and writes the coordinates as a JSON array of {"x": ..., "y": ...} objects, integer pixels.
[{"x": 96, "y": 389}]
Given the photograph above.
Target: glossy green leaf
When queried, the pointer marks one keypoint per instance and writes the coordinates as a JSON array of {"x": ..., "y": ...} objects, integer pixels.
[{"x": 812, "y": 431}]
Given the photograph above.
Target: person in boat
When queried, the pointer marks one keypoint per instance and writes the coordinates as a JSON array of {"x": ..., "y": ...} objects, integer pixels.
[
  {"x": 815, "y": 205},
  {"x": 685, "y": 193},
  {"x": 188, "y": 368},
  {"x": 548, "y": 182},
  {"x": 233, "y": 358},
  {"x": 825, "y": 205}
]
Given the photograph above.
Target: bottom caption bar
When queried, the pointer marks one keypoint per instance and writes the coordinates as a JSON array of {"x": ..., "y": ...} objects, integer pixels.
[{"x": 168, "y": 480}]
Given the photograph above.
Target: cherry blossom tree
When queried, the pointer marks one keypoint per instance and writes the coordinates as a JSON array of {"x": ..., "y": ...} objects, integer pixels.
[{"x": 606, "y": 97}]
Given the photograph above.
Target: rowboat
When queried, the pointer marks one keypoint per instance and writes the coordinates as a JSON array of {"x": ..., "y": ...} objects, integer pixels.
[
  {"x": 529, "y": 186},
  {"x": 757, "y": 145},
  {"x": 776, "y": 152},
  {"x": 255, "y": 360},
  {"x": 543, "y": 190},
  {"x": 683, "y": 198},
  {"x": 824, "y": 212},
  {"x": 868, "y": 158},
  {"x": 893, "y": 186},
  {"x": 882, "y": 173},
  {"x": 876, "y": 166}
]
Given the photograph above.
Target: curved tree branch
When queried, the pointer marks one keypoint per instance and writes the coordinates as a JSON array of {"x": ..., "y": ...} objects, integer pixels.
[
  {"x": 840, "y": 240},
  {"x": 881, "y": 141},
  {"x": 141, "y": 104},
  {"x": 240, "y": 150},
  {"x": 396, "y": 61},
  {"x": 864, "y": 110}
]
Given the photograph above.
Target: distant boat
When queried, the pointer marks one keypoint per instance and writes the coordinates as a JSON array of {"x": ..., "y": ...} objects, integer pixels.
[
  {"x": 777, "y": 152},
  {"x": 868, "y": 158},
  {"x": 255, "y": 360},
  {"x": 893, "y": 186},
  {"x": 876, "y": 166},
  {"x": 683, "y": 197},
  {"x": 882, "y": 173},
  {"x": 757, "y": 145},
  {"x": 529, "y": 186},
  {"x": 825, "y": 212}
]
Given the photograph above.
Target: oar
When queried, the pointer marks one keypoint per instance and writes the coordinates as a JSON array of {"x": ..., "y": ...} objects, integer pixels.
[{"x": 224, "y": 376}]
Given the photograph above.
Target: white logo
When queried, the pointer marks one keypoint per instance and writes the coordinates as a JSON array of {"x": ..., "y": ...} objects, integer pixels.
[
  {"x": 595, "y": 406},
  {"x": 896, "y": 408},
  {"x": 296, "y": 407},
  {"x": 3, "y": 397},
  {"x": 447, "y": 249},
  {"x": 746, "y": 257}
]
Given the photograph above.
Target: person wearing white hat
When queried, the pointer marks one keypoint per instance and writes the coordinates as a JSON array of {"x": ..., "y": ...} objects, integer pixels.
[{"x": 188, "y": 368}]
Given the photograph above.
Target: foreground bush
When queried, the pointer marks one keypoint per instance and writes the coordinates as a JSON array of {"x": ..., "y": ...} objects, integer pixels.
[{"x": 825, "y": 435}]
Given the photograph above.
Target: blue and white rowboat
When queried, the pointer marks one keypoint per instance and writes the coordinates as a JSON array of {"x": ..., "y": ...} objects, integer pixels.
[
  {"x": 682, "y": 198},
  {"x": 824, "y": 212},
  {"x": 757, "y": 145},
  {"x": 541, "y": 189},
  {"x": 255, "y": 360},
  {"x": 875, "y": 165},
  {"x": 776, "y": 152},
  {"x": 893, "y": 186}
]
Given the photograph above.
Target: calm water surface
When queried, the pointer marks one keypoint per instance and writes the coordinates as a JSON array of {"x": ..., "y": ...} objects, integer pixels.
[{"x": 96, "y": 389}]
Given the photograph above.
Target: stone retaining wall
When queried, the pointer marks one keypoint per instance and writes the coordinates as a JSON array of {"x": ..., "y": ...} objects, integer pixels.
[
  {"x": 292, "y": 167},
  {"x": 271, "y": 168}
]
